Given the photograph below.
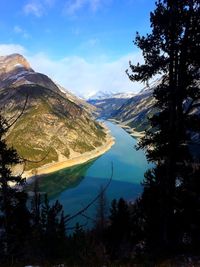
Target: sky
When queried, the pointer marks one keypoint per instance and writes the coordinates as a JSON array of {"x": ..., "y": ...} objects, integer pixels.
[{"x": 84, "y": 45}]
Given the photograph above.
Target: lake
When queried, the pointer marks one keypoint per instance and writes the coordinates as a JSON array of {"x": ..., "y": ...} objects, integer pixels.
[{"x": 76, "y": 186}]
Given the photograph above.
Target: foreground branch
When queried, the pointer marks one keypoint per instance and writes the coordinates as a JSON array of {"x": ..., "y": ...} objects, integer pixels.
[{"x": 80, "y": 212}]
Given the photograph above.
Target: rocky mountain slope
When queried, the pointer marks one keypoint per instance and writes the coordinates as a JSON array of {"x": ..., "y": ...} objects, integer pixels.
[
  {"x": 131, "y": 110},
  {"x": 135, "y": 112},
  {"x": 108, "y": 103},
  {"x": 79, "y": 101},
  {"x": 54, "y": 126}
]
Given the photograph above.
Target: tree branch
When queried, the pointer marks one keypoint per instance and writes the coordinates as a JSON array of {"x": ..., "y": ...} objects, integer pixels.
[
  {"x": 192, "y": 106},
  {"x": 80, "y": 212},
  {"x": 22, "y": 112}
]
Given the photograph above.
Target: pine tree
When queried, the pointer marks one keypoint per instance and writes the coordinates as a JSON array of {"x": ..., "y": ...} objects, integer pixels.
[
  {"x": 12, "y": 200},
  {"x": 101, "y": 214},
  {"x": 172, "y": 49},
  {"x": 52, "y": 229},
  {"x": 36, "y": 234},
  {"x": 48, "y": 240},
  {"x": 119, "y": 229}
]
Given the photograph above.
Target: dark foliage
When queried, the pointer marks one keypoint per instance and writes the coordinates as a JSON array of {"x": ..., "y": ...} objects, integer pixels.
[
  {"x": 25, "y": 233},
  {"x": 165, "y": 220},
  {"x": 170, "y": 203},
  {"x": 13, "y": 228},
  {"x": 119, "y": 229}
]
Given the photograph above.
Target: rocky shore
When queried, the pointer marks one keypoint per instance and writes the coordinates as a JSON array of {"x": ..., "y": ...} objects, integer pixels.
[
  {"x": 76, "y": 160},
  {"x": 128, "y": 129}
]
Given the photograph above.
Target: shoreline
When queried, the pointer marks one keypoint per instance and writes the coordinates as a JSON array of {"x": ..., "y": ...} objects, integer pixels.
[
  {"x": 80, "y": 159},
  {"x": 131, "y": 131}
]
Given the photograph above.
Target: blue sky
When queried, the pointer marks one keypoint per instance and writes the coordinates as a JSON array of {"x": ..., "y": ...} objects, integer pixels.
[{"x": 85, "y": 45}]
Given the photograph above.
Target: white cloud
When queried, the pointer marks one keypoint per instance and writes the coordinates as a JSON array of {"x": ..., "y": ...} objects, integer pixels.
[
  {"x": 79, "y": 75},
  {"x": 50, "y": 3},
  {"x": 85, "y": 78},
  {"x": 38, "y": 7},
  {"x": 6, "y": 49},
  {"x": 95, "y": 4},
  {"x": 33, "y": 7},
  {"x": 89, "y": 44},
  {"x": 92, "y": 42},
  {"x": 72, "y": 6},
  {"x": 18, "y": 30}
]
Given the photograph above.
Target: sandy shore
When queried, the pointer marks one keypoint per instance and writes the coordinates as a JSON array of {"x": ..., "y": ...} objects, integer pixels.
[{"x": 53, "y": 167}]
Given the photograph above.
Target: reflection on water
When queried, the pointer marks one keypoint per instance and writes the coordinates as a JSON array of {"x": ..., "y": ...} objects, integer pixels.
[
  {"x": 76, "y": 186},
  {"x": 74, "y": 199},
  {"x": 55, "y": 183}
]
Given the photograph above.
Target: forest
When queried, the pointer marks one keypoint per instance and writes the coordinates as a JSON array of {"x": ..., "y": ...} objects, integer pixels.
[{"x": 163, "y": 224}]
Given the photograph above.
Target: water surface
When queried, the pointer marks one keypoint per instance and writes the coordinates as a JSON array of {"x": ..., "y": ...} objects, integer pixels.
[{"x": 75, "y": 187}]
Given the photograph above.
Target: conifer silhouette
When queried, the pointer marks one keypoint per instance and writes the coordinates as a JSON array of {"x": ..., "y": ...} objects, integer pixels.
[{"x": 172, "y": 50}]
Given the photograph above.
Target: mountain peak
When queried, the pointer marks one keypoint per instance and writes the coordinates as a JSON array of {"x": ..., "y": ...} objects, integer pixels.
[
  {"x": 15, "y": 70},
  {"x": 13, "y": 61},
  {"x": 12, "y": 67},
  {"x": 53, "y": 120},
  {"x": 101, "y": 95}
]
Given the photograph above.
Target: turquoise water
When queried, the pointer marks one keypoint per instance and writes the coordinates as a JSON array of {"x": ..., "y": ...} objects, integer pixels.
[{"x": 75, "y": 187}]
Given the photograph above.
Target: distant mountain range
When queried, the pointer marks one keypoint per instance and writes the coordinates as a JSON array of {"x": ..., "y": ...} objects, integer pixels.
[
  {"x": 106, "y": 94},
  {"x": 108, "y": 103},
  {"x": 133, "y": 113},
  {"x": 130, "y": 109},
  {"x": 136, "y": 111},
  {"x": 55, "y": 124}
]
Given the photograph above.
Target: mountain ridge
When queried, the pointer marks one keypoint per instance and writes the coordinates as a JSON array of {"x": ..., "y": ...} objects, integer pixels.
[
  {"x": 108, "y": 103},
  {"x": 52, "y": 127}
]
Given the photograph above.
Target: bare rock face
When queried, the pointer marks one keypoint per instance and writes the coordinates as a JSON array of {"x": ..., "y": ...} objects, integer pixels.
[
  {"x": 12, "y": 64},
  {"x": 136, "y": 111},
  {"x": 8, "y": 63},
  {"x": 13, "y": 70}
]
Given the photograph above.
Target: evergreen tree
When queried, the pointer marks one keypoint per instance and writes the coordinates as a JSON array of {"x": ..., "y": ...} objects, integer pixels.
[
  {"x": 35, "y": 249},
  {"x": 172, "y": 49},
  {"x": 13, "y": 228},
  {"x": 52, "y": 222},
  {"x": 35, "y": 235},
  {"x": 48, "y": 241},
  {"x": 79, "y": 246},
  {"x": 102, "y": 213},
  {"x": 119, "y": 229}
]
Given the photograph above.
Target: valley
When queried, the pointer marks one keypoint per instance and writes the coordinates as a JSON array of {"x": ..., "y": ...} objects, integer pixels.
[
  {"x": 66, "y": 145},
  {"x": 76, "y": 186},
  {"x": 130, "y": 110},
  {"x": 100, "y": 133},
  {"x": 58, "y": 129},
  {"x": 55, "y": 126}
]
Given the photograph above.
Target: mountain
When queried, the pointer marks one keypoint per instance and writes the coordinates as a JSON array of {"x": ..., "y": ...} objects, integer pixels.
[
  {"x": 108, "y": 103},
  {"x": 101, "y": 95},
  {"x": 135, "y": 112},
  {"x": 130, "y": 109},
  {"x": 78, "y": 100},
  {"x": 54, "y": 126}
]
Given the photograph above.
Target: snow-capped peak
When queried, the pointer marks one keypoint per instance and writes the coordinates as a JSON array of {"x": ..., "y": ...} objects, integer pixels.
[{"x": 106, "y": 94}]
